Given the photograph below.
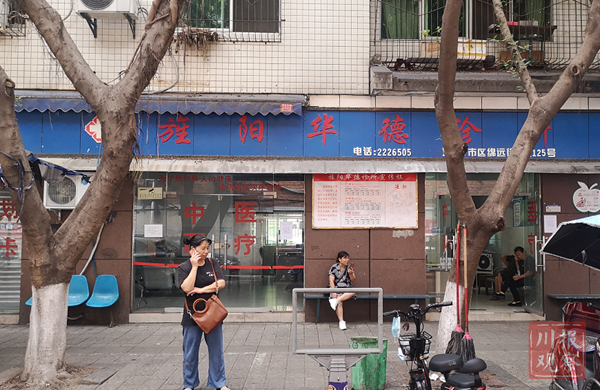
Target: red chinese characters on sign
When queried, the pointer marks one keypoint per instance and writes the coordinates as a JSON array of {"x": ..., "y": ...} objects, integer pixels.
[
  {"x": 465, "y": 129},
  {"x": 178, "y": 129},
  {"x": 9, "y": 248},
  {"x": 286, "y": 108},
  {"x": 194, "y": 212},
  {"x": 257, "y": 129},
  {"x": 394, "y": 130},
  {"x": 531, "y": 211},
  {"x": 555, "y": 350},
  {"x": 204, "y": 179},
  {"x": 546, "y": 135},
  {"x": 327, "y": 126},
  {"x": 7, "y": 209},
  {"x": 531, "y": 240},
  {"x": 245, "y": 212},
  {"x": 445, "y": 211},
  {"x": 246, "y": 240}
]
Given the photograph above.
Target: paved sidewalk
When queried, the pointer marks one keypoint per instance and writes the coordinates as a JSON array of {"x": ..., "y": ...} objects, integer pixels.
[{"x": 257, "y": 355}]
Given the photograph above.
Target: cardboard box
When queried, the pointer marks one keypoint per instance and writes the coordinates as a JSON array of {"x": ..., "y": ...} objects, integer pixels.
[{"x": 536, "y": 56}]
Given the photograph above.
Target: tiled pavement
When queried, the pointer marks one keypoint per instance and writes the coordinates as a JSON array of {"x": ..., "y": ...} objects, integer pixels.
[{"x": 257, "y": 355}]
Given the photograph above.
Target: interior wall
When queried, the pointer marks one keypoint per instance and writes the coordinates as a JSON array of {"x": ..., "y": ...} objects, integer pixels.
[{"x": 396, "y": 264}]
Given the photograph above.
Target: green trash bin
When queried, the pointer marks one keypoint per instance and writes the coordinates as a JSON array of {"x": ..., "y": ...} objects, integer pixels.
[{"x": 369, "y": 373}]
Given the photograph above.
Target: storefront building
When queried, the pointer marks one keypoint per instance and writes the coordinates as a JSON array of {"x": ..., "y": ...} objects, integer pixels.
[
  {"x": 280, "y": 195},
  {"x": 234, "y": 134}
]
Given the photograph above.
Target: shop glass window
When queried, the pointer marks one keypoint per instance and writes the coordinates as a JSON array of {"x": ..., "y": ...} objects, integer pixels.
[{"x": 256, "y": 223}]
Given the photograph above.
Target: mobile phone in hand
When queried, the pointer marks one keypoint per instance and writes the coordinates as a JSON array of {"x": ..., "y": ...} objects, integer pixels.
[{"x": 352, "y": 265}]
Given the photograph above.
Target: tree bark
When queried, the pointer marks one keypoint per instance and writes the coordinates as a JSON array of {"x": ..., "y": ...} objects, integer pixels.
[
  {"x": 484, "y": 222},
  {"x": 47, "y": 342},
  {"x": 53, "y": 257}
]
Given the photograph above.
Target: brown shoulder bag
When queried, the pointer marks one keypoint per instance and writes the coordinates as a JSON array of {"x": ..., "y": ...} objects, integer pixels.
[{"x": 214, "y": 312}]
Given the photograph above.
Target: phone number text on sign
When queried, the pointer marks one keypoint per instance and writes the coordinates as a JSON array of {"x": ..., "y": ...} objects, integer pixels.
[{"x": 381, "y": 152}]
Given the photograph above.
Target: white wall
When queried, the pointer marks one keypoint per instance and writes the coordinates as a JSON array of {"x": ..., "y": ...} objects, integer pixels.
[{"x": 323, "y": 48}]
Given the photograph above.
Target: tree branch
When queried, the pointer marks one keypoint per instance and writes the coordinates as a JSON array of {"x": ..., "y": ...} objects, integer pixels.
[
  {"x": 542, "y": 111},
  {"x": 35, "y": 218},
  {"x": 515, "y": 52},
  {"x": 454, "y": 147},
  {"x": 119, "y": 130},
  {"x": 153, "y": 46},
  {"x": 50, "y": 25}
]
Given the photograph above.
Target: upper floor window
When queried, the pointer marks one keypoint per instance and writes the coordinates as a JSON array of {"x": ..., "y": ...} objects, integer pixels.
[
  {"x": 243, "y": 16},
  {"x": 413, "y": 19},
  {"x": 537, "y": 11},
  {"x": 399, "y": 19}
]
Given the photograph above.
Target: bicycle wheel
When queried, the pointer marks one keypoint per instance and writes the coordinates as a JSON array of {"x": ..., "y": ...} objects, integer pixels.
[
  {"x": 418, "y": 380},
  {"x": 591, "y": 384}
]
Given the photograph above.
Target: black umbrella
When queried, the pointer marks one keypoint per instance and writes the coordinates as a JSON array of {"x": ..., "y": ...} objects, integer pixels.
[{"x": 577, "y": 240}]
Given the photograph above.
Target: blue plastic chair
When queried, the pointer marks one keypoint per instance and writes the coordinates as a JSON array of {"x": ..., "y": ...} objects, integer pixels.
[
  {"x": 79, "y": 292},
  {"x": 106, "y": 292}
]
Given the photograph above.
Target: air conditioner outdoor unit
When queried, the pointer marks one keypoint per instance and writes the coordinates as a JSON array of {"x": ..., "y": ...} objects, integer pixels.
[
  {"x": 65, "y": 194},
  {"x": 486, "y": 264},
  {"x": 108, "y": 9}
]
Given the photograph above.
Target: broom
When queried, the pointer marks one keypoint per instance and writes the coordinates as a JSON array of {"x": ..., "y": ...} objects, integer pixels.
[
  {"x": 467, "y": 347},
  {"x": 457, "y": 334}
]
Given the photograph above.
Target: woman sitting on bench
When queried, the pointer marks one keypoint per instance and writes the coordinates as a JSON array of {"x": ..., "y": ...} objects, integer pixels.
[{"x": 341, "y": 275}]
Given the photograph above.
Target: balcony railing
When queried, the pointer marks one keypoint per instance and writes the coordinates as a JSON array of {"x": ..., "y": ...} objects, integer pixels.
[{"x": 406, "y": 34}]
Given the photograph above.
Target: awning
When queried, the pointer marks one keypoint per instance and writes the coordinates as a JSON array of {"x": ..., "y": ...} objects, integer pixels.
[
  {"x": 169, "y": 103},
  {"x": 304, "y": 165}
]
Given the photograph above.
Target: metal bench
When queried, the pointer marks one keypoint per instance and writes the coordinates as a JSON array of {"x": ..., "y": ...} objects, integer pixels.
[
  {"x": 574, "y": 297},
  {"x": 321, "y": 297}
]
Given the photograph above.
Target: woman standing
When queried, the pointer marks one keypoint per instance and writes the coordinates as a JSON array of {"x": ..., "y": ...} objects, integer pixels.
[
  {"x": 197, "y": 279},
  {"x": 341, "y": 275}
]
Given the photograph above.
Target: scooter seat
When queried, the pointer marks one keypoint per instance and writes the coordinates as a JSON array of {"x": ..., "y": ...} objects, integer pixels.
[
  {"x": 473, "y": 366},
  {"x": 462, "y": 381},
  {"x": 445, "y": 363}
]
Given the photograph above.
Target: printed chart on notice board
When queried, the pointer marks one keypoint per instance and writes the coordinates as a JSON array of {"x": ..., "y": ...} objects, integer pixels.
[{"x": 364, "y": 201}]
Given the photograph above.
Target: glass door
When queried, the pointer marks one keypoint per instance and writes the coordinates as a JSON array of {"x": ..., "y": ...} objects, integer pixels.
[
  {"x": 262, "y": 242},
  {"x": 534, "y": 285},
  {"x": 526, "y": 225}
]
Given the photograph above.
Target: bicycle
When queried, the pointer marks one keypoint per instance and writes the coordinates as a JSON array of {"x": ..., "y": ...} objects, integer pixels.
[{"x": 414, "y": 348}]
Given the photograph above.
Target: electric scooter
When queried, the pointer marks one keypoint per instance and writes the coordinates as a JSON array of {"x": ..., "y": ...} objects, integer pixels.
[
  {"x": 563, "y": 367},
  {"x": 414, "y": 348}
]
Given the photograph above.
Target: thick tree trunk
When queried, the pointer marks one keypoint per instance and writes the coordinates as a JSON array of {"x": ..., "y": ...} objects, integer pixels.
[
  {"x": 484, "y": 222},
  {"x": 45, "y": 355},
  {"x": 448, "y": 318},
  {"x": 53, "y": 257}
]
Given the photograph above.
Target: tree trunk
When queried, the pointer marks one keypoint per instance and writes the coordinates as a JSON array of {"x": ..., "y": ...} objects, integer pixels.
[
  {"x": 53, "y": 257},
  {"x": 448, "y": 320},
  {"x": 45, "y": 354},
  {"x": 484, "y": 222}
]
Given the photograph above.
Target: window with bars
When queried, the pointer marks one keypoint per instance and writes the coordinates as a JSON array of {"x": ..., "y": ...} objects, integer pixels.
[
  {"x": 237, "y": 16},
  {"x": 412, "y": 19}
]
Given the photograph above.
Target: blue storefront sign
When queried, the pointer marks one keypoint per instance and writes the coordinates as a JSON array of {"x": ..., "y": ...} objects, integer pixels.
[{"x": 328, "y": 133}]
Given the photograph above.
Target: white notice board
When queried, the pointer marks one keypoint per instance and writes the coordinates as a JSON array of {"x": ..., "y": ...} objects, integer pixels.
[{"x": 362, "y": 201}]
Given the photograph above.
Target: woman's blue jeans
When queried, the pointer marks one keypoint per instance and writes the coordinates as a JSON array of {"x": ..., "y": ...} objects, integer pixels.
[{"x": 192, "y": 335}]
